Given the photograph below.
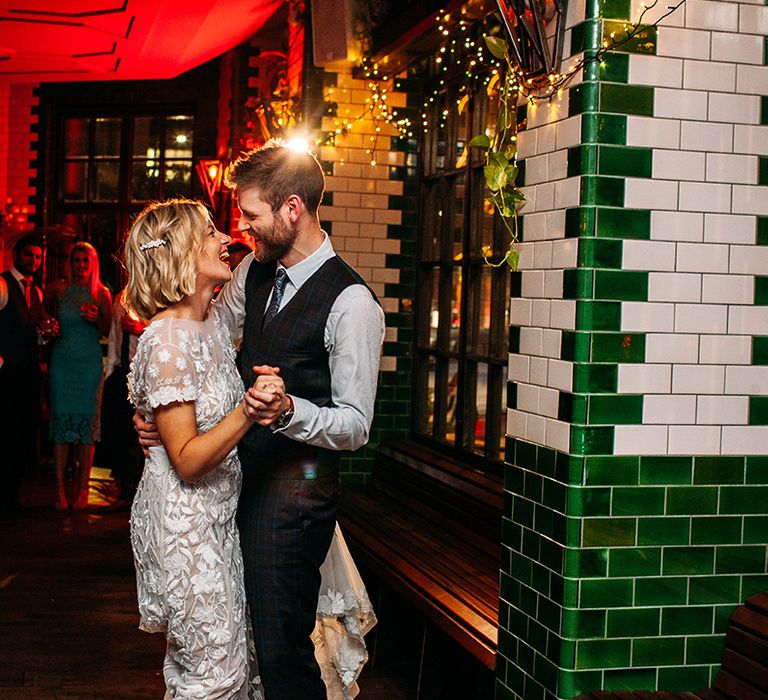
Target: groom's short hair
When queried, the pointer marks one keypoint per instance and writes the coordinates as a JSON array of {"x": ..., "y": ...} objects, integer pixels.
[{"x": 277, "y": 172}]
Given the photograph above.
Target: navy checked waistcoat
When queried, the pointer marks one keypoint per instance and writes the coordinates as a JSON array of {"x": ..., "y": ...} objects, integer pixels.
[
  {"x": 18, "y": 325},
  {"x": 294, "y": 341}
]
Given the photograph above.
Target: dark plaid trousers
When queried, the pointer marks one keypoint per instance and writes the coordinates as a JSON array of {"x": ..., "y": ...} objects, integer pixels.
[{"x": 286, "y": 527}]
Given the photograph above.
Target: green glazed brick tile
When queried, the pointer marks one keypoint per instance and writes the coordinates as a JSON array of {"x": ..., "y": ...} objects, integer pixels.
[
  {"x": 589, "y": 440},
  {"x": 572, "y": 408},
  {"x": 705, "y": 650},
  {"x": 744, "y": 500},
  {"x": 718, "y": 470},
  {"x": 574, "y": 683},
  {"x": 585, "y": 36},
  {"x": 525, "y": 455},
  {"x": 583, "y": 98},
  {"x": 716, "y": 530},
  {"x": 624, "y": 162},
  {"x": 588, "y": 501},
  {"x": 579, "y": 221},
  {"x": 684, "y": 678},
  {"x": 644, "y": 41},
  {"x": 658, "y": 651},
  {"x": 634, "y": 622},
  {"x": 692, "y": 500},
  {"x": 578, "y": 283},
  {"x": 757, "y": 469},
  {"x": 762, "y": 170},
  {"x": 575, "y": 346},
  {"x": 639, "y": 561},
  {"x": 604, "y": 191},
  {"x": 589, "y": 379},
  {"x": 758, "y": 410},
  {"x": 760, "y": 350},
  {"x": 582, "y": 160},
  {"x": 611, "y": 471},
  {"x": 522, "y": 512},
  {"x": 755, "y": 529},
  {"x": 606, "y": 593},
  {"x": 764, "y": 110},
  {"x": 604, "y": 128},
  {"x": 603, "y": 653},
  {"x": 761, "y": 287},
  {"x": 581, "y": 624},
  {"x": 600, "y": 253},
  {"x": 614, "y": 68},
  {"x": 714, "y": 589},
  {"x": 598, "y": 316},
  {"x": 661, "y": 591},
  {"x": 752, "y": 583},
  {"x": 630, "y": 679},
  {"x": 570, "y": 592},
  {"x": 687, "y": 620},
  {"x": 748, "y": 559},
  {"x": 723, "y": 615},
  {"x": 666, "y": 470},
  {"x": 586, "y": 563},
  {"x": 762, "y": 223},
  {"x": 608, "y": 532},
  {"x": 618, "y": 347},
  {"x": 621, "y": 285},
  {"x": 688, "y": 560},
  {"x": 626, "y": 99},
  {"x": 624, "y": 409},
  {"x": 623, "y": 223},
  {"x": 638, "y": 501}
]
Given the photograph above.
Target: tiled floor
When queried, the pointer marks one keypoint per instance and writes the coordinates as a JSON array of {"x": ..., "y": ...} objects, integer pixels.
[{"x": 68, "y": 607}]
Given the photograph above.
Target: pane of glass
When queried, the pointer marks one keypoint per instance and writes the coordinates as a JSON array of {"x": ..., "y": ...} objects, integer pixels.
[
  {"x": 434, "y": 310},
  {"x": 428, "y": 428},
  {"x": 105, "y": 180},
  {"x": 145, "y": 179},
  {"x": 462, "y": 137},
  {"x": 76, "y": 137},
  {"x": 452, "y": 400},
  {"x": 503, "y": 436},
  {"x": 459, "y": 200},
  {"x": 434, "y": 220},
  {"x": 178, "y": 178},
  {"x": 483, "y": 225},
  {"x": 440, "y": 133},
  {"x": 74, "y": 181},
  {"x": 481, "y": 401},
  {"x": 456, "y": 309},
  {"x": 479, "y": 313},
  {"x": 179, "y": 137},
  {"x": 103, "y": 235},
  {"x": 147, "y": 132},
  {"x": 107, "y": 137}
]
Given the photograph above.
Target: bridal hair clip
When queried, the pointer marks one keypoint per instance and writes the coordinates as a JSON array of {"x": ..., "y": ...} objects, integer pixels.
[{"x": 154, "y": 243}]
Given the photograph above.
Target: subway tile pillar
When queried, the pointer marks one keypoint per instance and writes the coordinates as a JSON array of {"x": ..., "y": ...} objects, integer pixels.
[{"x": 636, "y": 515}]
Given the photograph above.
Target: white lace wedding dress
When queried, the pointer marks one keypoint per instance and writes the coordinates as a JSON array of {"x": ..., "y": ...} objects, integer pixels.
[{"x": 186, "y": 545}]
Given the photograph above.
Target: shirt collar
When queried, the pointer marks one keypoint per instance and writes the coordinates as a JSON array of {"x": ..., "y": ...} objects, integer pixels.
[
  {"x": 299, "y": 273},
  {"x": 19, "y": 277}
]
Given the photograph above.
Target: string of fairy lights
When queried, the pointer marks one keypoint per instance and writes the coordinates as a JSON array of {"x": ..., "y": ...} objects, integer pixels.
[{"x": 462, "y": 43}]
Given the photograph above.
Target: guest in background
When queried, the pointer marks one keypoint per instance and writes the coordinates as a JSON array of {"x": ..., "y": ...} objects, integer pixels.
[
  {"x": 21, "y": 315},
  {"x": 84, "y": 307},
  {"x": 119, "y": 441}
]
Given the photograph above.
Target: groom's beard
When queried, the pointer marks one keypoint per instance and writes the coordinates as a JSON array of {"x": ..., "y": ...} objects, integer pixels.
[{"x": 275, "y": 242}]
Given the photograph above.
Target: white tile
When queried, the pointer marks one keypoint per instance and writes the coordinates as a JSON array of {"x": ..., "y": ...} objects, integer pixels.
[
  {"x": 652, "y": 132},
  {"x": 547, "y": 137},
  {"x": 536, "y": 170},
  {"x": 701, "y": 318},
  {"x": 698, "y": 379},
  {"x": 560, "y": 375},
  {"x": 532, "y": 283},
  {"x": 694, "y": 440},
  {"x": 725, "y": 350},
  {"x": 752, "y": 80},
  {"x": 550, "y": 342},
  {"x": 563, "y": 314},
  {"x": 517, "y": 424},
  {"x": 569, "y": 132},
  {"x": 517, "y": 369},
  {"x": 557, "y": 165},
  {"x": 705, "y": 196},
  {"x": 640, "y": 440},
  {"x": 648, "y": 255},
  {"x": 679, "y": 104},
  {"x": 530, "y": 341},
  {"x": 644, "y": 317},
  {"x": 565, "y": 253},
  {"x": 671, "y": 347},
  {"x": 753, "y": 19},
  {"x": 683, "y": 43},
  {"x": 520, "y": 312},
  {"x": 526, "y": 255},
  {"x": 674, "y": 286},
  {"x": 749, "y": 199},
  {"x": 706, "y": 75},
  {"x": 529, "y": 207},
  {"x": 553, "y": 285},
  {"x": 752, "y": 381},
  {"x": 750, "y": 139},
  {"x": 722, "y": 410},
  {"x": 676, "y": 226},
  {"x": 678, "y": 165},
  {"x": 746, "y": 259},
  {"x": 556, "y": 225},
  {"x": 644, "y": 379},
  {"x": 704, "y": 14},
  {"x": 576, "y": 13},
  {"x": 740, "y": 109},
  {"x": 526, "y": 143},
  {"x": 540, "y": 312},
  {"x": 641, "y": 193},
  {"x": 558, "y": 435},
  {"x": 536, "y": 226},
  {"x": 737, "y": 48},
  {"x": 567, "y": 193},
  {"x": 545, "y": 196},
  {"x": 702, "y": 257},
  {"x": 726, "y": 167},
  {"x": 538, "y": 371},
  {"x": 654, "y": 13},
  {"x": 752, "y": 320},
  {"x": 528, "y": 398},
  {"x": 669, "y": 409},
  {"x": 745, "y": 440},
  {"x": 536, "y": 429},
  {"x": 654, "y": 70},
  {"x": 548, "y": 402},
  {"x": 729, "y": 228},
  {"x": 728, "y": 289},
  {"x": 698, "y": 136}
]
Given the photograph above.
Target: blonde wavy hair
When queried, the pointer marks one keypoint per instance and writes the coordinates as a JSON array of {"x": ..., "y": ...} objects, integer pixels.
[
  {"x": 94, "y": 276},
  {"x": 163, "y": 273}
]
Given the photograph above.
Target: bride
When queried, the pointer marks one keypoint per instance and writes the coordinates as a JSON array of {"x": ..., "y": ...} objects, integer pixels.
[{"x": 185, "y": 542}]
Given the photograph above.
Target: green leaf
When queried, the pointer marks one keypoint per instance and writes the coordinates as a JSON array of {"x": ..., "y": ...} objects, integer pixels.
[
  {"x": 509, "y": 150},
  {"x": 500, "y": 160},
  {"x": 515, "y": 194},
  {"x": 511, "y": 171},
  {"x": 512, "y": 258},
  {"x": 480, "y": 141},
  {"x": 498, "y": 47},
  {"x": 495, "y": 177}
]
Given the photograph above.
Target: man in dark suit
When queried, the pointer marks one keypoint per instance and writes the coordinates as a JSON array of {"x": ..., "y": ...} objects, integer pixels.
[{"x": 21, "y": 314}]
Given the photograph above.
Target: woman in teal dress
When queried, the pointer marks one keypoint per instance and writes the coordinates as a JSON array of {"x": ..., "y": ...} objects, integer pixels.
[{"x": 84, "y": 314}]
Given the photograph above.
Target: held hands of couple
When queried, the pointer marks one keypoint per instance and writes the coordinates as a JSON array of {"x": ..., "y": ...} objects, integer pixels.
[{"x": 266, "y": 401}]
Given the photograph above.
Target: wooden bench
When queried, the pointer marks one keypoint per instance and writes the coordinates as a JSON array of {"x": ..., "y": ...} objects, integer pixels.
[
  {"x": 743, "y": 673},
  {"x": 431, "y": 529}
]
